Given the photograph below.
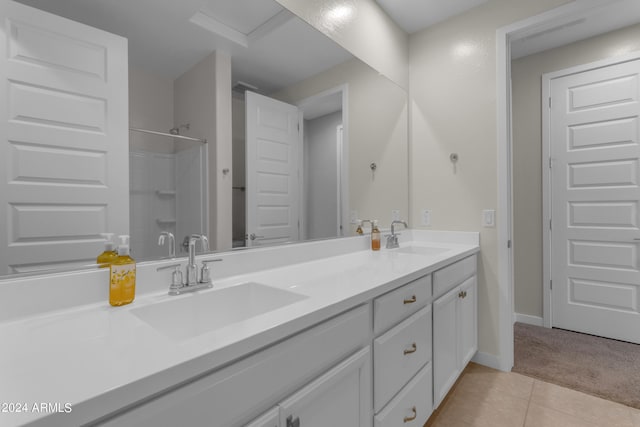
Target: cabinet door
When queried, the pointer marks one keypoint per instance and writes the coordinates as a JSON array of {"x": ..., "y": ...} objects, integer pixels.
[
  {"x": 268, "y": 419},
  {"x": 468, "y": 325},
  {"x": 341, "y": 397},
  {"x": 446, "y": 366}
]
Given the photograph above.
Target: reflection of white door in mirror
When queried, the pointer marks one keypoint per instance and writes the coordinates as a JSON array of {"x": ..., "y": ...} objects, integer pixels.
[
  {"x": 272, "y": 208},
  {"x": 63, "y": 138}
]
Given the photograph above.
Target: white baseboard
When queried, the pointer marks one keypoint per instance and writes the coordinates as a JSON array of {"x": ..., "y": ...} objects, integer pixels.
[
  {"x": 486, "y": 359},
  {"x": 528, "y": 319}
]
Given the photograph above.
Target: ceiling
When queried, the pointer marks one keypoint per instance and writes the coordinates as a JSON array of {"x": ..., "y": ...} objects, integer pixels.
[
  {"x": 609, "y": 16},
  {"x": 605, "y": 15},
  {"x": 270, "y": 47},
  {"x": 416, "y": 15}
]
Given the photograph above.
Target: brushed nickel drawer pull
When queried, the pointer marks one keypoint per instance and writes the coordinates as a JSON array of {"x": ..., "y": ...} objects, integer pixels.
[
  {"x": 411, "y": 300},
  {"x": 413, "y": 349},
  {"x": 413, "y": 417}
]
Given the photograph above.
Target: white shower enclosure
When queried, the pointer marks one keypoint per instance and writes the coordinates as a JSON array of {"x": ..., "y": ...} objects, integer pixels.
[{"x": 168, "y": 192}]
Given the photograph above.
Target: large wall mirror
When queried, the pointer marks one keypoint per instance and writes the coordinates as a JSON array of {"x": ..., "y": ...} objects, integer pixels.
[{"x": 351, "y": 153}]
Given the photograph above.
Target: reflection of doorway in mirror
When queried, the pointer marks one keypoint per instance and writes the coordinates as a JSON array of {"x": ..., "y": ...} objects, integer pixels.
[
  {"x": 324, "y": 166},
  {"x": 321, "y": 179}
]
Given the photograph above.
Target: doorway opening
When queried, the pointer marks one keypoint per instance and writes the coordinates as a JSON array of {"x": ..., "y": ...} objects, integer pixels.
[
  {"x": 306, "y": 201},
  {"x": 543, "y": 27}
]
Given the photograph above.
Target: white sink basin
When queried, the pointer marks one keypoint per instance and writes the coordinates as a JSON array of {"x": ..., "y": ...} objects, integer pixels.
[
  {"x": 190, "y": 315},
  {"x": 423, "y": 250}
]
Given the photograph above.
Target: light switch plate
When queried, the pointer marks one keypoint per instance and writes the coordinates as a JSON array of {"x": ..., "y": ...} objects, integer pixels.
[
  {"x": 395, "y": 215},
  {"x": 489, "y": 218},
  {"x": 425, "y": 217}
]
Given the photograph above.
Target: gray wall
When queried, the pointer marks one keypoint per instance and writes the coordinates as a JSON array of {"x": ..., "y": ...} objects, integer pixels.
[{"x": 321, "y": 176}]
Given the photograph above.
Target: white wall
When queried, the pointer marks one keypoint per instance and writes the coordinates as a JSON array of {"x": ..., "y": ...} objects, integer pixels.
[
  {"x": 203, "y": 99},
  {"x": 239, "y": 176},
  {"x": 150, "y": 107},
  {"x": 376, "y": 132},
  {"x": 453, "y": 110},
  {"x": 526, "y": 76},
  {"x": 367, "y": 32},
  {"x": 151, "y": 162},
  {"x": 321, "y": 176}
]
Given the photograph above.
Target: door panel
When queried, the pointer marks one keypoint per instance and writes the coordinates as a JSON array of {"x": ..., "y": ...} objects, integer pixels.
[
  {"x": 272, "y": 171},
  {"x": 446, "y": 345},
  {"x": 594, "y": 136},
  {"x": 63, "y": 140}
]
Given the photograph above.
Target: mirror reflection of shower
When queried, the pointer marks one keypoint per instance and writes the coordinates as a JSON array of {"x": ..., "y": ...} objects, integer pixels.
[{"x": 168, "y": 174}]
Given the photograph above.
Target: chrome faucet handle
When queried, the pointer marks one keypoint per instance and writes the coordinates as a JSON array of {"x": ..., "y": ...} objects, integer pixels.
[
  {"x": 205, "y": 272},
  {"x": 176, "y": 278}
]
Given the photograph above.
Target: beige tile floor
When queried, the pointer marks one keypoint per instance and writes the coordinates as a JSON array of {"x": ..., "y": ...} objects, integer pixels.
[{"x": 486, "y": 397}]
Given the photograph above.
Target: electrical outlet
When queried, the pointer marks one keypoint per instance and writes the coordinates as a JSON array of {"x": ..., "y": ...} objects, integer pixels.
[
  {"x": 425, "y": 214},
  {"x": 395, "y": 215},
  {"x": 353, "y": 217},
  {"x": 489, "y": 218}
]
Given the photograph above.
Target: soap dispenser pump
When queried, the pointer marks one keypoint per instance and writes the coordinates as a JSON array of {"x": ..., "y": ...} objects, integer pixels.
[
  {"x": 122, "y": 277},
  {"x": 109, "y": 255}
]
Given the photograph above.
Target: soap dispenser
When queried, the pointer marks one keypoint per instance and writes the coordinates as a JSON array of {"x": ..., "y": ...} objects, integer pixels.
[
  {"x": 109, "y": 255},
  {"x": 122, "y": 277},
  {"x": 375, "y": 236}
]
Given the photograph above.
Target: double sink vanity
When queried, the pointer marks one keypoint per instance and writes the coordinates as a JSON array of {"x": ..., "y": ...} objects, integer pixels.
[{"x": 325, "y": 333}]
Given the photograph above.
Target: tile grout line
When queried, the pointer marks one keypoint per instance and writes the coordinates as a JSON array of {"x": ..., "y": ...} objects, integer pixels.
[{"x": 526, "y": 413}]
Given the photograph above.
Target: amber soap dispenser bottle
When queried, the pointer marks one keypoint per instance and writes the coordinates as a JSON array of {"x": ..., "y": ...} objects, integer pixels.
[
  {"x": 375, "y": 236},
  {"x": 122, "y": 276}
]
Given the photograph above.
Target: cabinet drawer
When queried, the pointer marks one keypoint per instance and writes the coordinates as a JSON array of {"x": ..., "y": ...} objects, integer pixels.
[
  {"x": 261, "y": 379},
  {"x": 399, "y": 354},
  {"x": 413, "y": 401},
  {"x": 453, "y": 275},
  {"x": 398, "y": 304}
]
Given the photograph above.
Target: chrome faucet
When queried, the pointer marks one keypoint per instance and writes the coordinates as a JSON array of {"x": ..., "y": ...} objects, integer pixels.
[
  {"x": 392, "y": 239},
  {"x": 172, "y": 242},
  {"x": 192, "y": 268},
  {"x": 191, "y": 282}
]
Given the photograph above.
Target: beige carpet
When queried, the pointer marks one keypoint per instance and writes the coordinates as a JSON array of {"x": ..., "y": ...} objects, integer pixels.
[{"x": 598, "y": 366}]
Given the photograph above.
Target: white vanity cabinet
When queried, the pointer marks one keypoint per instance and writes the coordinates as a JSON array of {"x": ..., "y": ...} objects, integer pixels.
[
  {"x": 340, "y": 397},
  {"x": 306, "y": 376},
  {"x": 402, "y": 355},
  {"x": 455, "y": 336},
  {"x": 268, "y": 419}
]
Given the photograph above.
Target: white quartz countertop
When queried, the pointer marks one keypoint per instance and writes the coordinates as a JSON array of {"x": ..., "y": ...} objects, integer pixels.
[{"x": 90, "y": 360}]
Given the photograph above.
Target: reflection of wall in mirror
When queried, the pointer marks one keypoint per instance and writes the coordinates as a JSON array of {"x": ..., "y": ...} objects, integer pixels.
[
  {"x": 238, "y": 114},
  {"x": 321, "y": 175},
  {"x": 376, "y": 132}
]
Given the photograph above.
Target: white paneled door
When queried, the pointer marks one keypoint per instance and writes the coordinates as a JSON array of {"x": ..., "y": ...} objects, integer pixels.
[
  {"x": 63, "y": 139},
  {"x": 272, "y": 171},
  {"x": 595, "y": 174}
]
